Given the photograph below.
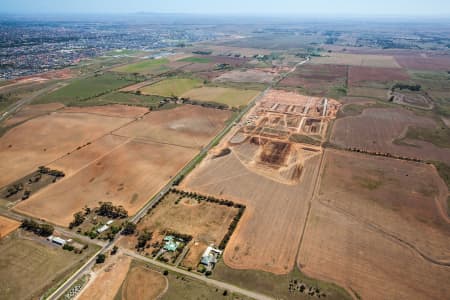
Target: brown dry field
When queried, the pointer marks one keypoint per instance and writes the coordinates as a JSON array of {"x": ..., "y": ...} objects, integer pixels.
[
  {"x": 142, "y": 283},
  {"x": 188, "y": 126},
  {"x": 358, "y": 74},
  {"x": 206, "y": 222},
  {"x": 127, "y": 176},
  {"x": 246, "y": 76},
  {"x": 369, "y": 92},
  {"x": 31, "y": 111},
  {"x": 80, "y": 159},
  {"x": 114, "y": 110},
  {"x": 194, "y": 254},
  {"x": 373, "y": 238},
  {"x": 376, "y": 129},
  {"x": 424, "y": 61},
  {"x": 42, "y": 140},
  {"x": 198, "y": 67},
  {"x": 365, "y": 60},
  {"x": 108, "y": 279},
  {"x": 7, "y": 226},
  {"x": 268, "y": 235}
]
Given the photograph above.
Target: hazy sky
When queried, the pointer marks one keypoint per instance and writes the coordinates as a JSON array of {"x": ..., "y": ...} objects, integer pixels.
[{"x": 256, "y": 7}]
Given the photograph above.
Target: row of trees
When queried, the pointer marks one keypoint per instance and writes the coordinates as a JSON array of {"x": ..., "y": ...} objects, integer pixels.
[
  {"x": 385, "y": 154},
  {"x": 42, "y": 229},
  {"x": 211, "y": 199},
  {"x": 232, "y": 228},
  {"x": 107, "y": 209}
]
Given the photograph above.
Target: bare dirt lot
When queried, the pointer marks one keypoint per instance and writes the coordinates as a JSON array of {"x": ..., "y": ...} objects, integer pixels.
[
  {"x": 376, "y": 129},
  {"x": 108, "y": 279},
  {"x": 246, "y": 76},
  {"x": 7, "y": 226},
  {"x": 188, "y": 126},
  {"x": 42, "y": 140},
  {"x": 126, "y": 176},
  {"x": 143, "y": 283},
  {"x": 379, "y": 241}
]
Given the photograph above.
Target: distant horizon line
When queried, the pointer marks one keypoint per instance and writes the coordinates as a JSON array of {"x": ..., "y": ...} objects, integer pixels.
[{"x": 229, "y": 14}]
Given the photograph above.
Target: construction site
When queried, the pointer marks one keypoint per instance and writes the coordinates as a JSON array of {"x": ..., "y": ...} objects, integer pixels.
[{"x": 282, "y": 131}]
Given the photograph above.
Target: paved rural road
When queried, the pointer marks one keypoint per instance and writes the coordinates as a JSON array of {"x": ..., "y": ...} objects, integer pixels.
[
  {"x": 17, "y": 105},
  {"x": 209, "y": 281},
  {"x": 68, "y": 283}
]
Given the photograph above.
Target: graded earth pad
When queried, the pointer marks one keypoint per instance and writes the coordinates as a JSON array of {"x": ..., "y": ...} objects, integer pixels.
[
  {"x": 382, "y": 130},
  {"x": 129, "y": 175},
  {"x": 7, "y": 226},
  {"x": 108, "y": 279},
  {"x": 42, "y": 140},
  {"x": 143, "y": 283},
  {"x": 365, "y": 232},
  {"x": 187, "y": 126}
]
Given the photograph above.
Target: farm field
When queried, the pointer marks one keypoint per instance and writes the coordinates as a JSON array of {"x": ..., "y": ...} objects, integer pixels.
[
  {"x": 124, "y": 176},
  {"x": 318, "y": 80},
  {"x": 419, "y": 61},
  {"x": 377, "y": 130},
  {"x": 171, "y": 87},
  {"x": 24, "y": 148},
  {"x": 246, "y": 76},
  {"x": 143, "y": 283},
  {"x": 196, "y": 59},
  {"x": 30, "y": 267},
  {"x": 358, "y": 75},
  {"x": 268, "y": 234},
  {"x": 84, "y": 88},
  {"x": 363, "y": 231},
  {"x": 188, "y": 126},
  {"x": 7, "y": 226},
  {"x": 206, "y": 222},
  {"x": 230, "y": 96},
  {"x": 108, "y": 279},
  {"x": 365, "y": 60},
  {"x": 148, "y": 66}
]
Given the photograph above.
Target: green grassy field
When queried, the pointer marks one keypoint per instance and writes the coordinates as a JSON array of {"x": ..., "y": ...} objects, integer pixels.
[
  {"x": 86, "y": 88},
  {"x": 28, "y": 268},
  {"x": 201, "y": 60},
  {"x": 439, "y": 136},
  {"x": 149, "y": 66},
  {"x": 229, "y": 96},
  {"x": 276, "y": 285},
  {"x": 172, "y": 87}
]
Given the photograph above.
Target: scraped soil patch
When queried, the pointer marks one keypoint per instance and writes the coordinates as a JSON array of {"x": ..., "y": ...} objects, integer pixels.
[
  {"x": 188, "y": 126},
  {"x": 42, "y": 140},
  {"x": 268, "y": 234},
  {"x": 376, "y": 129},
  {"x": 129, "y": 176},
  {"x": 108, "y": 281},
  {"x": 142, "y": 283},
  {"x": 7, "y": 226}
]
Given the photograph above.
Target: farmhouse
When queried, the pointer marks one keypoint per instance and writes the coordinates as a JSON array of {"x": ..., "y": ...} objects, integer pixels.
[
  {"x": 103, "y": 228},
  {"x": 209, "y": 257},
  {"x": 170, "y": 244}
]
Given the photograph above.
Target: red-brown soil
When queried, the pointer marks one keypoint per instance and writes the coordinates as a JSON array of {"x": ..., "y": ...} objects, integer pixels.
[
  {"x": 377, "y": 240},
  {"x": 424, "y": 61},
  {"x": 7, "y": 226},
  {"x": 376, "y": 129},
  {"x": 142, "y": 283}
]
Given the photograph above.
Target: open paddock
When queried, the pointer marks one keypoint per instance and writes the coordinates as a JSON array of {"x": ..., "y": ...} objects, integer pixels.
[
  {"x": 142, "y": 283},
  {"x": 171, "y": 87},
  {"x": 189, "y": 126},
  {"x": 421, "y": 61},
  {"x": 246, "y": 76},
  {"x": 7, "y": 226},
  {"x": 358, "y": 74},
  {"x": 230, "y": 96},
  {"x": 365, "y": 60},
  {"x": 382, "y": 130},
  {"x": 42, "y": 140},
  {"x": 125, "y": 176},
  {"x": 30, "y": 265},
  {"x": 147, "y": 66}
]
